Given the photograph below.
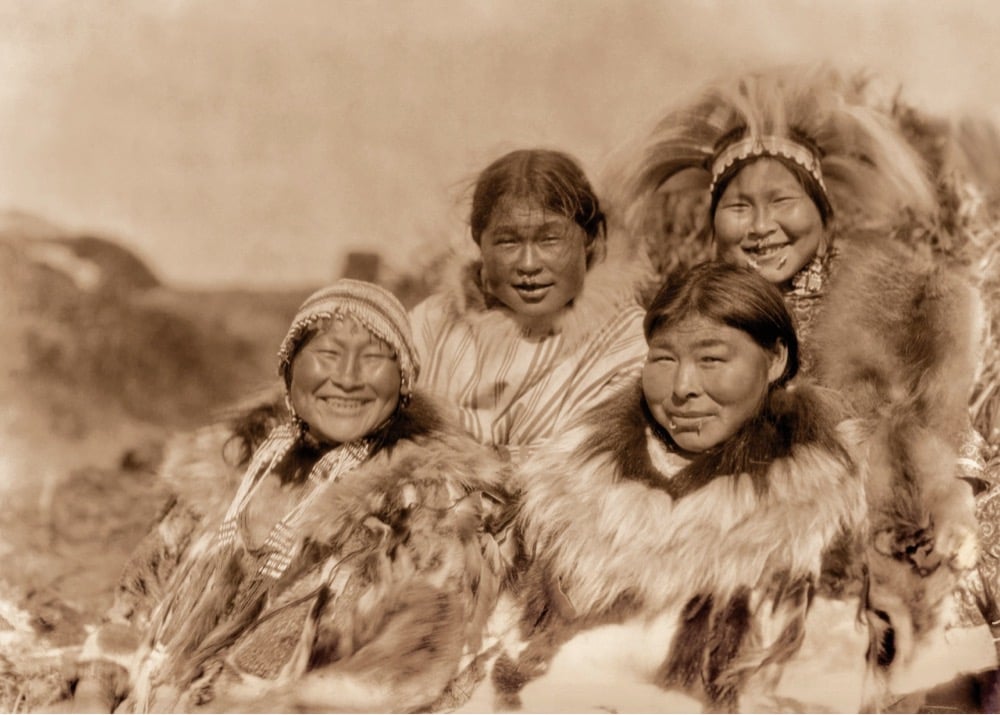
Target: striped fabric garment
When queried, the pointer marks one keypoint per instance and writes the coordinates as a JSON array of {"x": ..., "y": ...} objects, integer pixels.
[{"x": 514, "y": 391}]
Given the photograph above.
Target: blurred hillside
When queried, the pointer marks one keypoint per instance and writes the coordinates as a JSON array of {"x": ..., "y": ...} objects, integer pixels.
[{"x": 101, "y": 362}]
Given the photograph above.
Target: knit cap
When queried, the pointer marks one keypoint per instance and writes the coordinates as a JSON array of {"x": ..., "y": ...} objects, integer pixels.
[{"x": 372, "y": 306}]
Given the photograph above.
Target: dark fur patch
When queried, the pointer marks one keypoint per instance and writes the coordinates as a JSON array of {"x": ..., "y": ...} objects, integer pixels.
[
  {"x": 788, "y": 418},
  {"x": 729, "y": 629},
  {"x": 547, "y": 621},
  {"x": 251, "y": 427},
  {"x": 683, "y": 665}
]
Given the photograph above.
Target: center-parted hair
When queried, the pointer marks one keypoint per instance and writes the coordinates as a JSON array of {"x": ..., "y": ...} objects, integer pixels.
[
  {"x": 551, "y": 179},
  {"x": 735, "y": 296}
]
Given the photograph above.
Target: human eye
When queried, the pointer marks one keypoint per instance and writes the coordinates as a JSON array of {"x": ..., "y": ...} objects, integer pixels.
[
  {"x": 660, "y": 356},
  {"x": 711, "y": 359},
  {"x": 374, "y": 356},
  {"x": 785, "y": 199},
  {"x": 504, "y": 239}
]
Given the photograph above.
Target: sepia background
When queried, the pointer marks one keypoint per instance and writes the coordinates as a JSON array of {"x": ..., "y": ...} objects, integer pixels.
[{"x": 176, "y": 175}]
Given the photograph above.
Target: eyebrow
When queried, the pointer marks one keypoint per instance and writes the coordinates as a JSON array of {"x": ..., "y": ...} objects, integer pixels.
[
  {"x": 667, "y": 344},
  {"x": 516, "y": 227},
  {"x": 711, "y": 343}
]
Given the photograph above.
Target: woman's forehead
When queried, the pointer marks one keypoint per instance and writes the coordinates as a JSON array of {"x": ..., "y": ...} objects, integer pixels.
[
  {"x": 519, "y": 212},
  {"x": 765, "y": 172},
  {"x": 343, "y": 328},
  {"x": 694, "y": 331}
]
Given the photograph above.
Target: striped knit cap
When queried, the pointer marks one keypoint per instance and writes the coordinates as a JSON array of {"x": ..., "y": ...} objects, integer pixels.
[{"x": 375, "y": 308}]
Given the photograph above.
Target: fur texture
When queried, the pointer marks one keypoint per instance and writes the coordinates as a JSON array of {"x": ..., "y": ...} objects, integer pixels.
[
  {"x": 401, "y": 564},
  {"x": 900, "y": 337},
  {"x": 616, "y": 529}
]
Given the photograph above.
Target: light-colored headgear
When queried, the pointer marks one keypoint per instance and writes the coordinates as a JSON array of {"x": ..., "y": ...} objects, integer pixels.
[
  {"x": 814, "y": 119},
  {"x": 774, "y": 146},
  {"x": 375, "y": 308}
]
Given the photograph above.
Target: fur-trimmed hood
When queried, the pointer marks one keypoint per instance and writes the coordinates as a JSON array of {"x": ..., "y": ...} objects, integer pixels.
[
  {"x": 613, "y": 513},
  {"x": 618, "y": 279}
]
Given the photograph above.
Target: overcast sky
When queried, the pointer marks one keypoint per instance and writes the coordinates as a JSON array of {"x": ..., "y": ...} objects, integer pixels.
[{"x": 236, "y": 142}]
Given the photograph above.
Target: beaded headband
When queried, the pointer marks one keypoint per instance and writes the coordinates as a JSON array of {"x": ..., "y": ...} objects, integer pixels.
[{"x": 753, "y": 147}]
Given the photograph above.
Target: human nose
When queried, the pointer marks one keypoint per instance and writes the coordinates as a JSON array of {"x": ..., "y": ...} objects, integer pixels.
[
  {"x": 347, "y": 373},
  {"x": 763, "y": 222},
  {"x": 528, "y": 259},
  {"x": 687, "y": 383}
]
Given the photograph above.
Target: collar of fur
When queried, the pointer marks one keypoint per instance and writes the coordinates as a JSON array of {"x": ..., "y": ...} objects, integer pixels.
[
  {"x": 612, "y": 283},
  {"x": 615, "y": 519},
  {"x": 203, "y": 468}
]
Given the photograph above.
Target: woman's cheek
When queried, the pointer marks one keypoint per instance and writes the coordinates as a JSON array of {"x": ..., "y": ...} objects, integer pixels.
[
  {"x": 723, "y": 384},
  {"x": 729, "y": 231}
]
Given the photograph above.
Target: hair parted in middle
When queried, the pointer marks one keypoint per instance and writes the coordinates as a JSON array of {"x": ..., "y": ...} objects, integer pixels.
[
  {"x": 847, "y": 154},
  {"x": 551, "y": 179},
  {"x": 735, "y": 296}
]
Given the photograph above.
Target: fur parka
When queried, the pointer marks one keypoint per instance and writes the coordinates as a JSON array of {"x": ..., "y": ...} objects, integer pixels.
[
  {"x": 719, "y": 557},
  {"x": 399, "y": 565}
]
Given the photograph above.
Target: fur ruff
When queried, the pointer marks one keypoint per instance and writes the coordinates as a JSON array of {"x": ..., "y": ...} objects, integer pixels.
[
  {"x": 616, "y": 281},
  {"x": 621, "y": 529},
  {"x": 605, "y": 524}
]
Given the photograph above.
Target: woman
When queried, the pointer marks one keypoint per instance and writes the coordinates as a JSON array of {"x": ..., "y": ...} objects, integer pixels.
[
  {"x": 544, "y": 319},
  {"x": 677, "y": 532},
  {"x": 801, "y": 181},
  {"x": 353, "y": 565}
]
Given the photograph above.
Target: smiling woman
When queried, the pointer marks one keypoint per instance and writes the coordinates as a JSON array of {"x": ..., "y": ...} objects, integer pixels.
[
  {"x": 547, "y": 318},
  {"x": 344, "y": 382},
  {"x": 680, "y": 530},
  {"x": 715, "y": 350},
  {"x": 351, "y": 567}
]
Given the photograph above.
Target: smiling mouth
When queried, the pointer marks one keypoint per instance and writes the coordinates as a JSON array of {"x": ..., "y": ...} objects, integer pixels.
[
  {"x": 764, "y": 251},
  {"x": 343, "y": 404},
  {"x": 532, "y": 291}
]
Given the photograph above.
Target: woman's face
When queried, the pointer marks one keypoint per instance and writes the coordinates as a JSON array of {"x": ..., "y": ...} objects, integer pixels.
[
  {"x": 765, "y": 219},
  {"x": 345, "y": 382},
  {"x": 703, "y": 380},
  {"x": 534, "y": 261}
]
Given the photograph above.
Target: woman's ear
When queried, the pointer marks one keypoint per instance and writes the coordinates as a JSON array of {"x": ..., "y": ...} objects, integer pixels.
[
  {"x": 779, "y": 361},
  {"x": 597, "y": 249}
]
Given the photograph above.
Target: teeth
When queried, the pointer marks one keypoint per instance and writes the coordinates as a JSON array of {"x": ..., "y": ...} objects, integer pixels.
[
  {"x": 343, "y": 402},
  {"x": 765, "y": 251}
]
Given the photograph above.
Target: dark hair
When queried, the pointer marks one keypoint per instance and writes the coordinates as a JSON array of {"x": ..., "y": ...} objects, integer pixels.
[
  {"x": 732, "y": 295},
  {"x": 809, "y": 184},
  {"x": 550, "y": 178}
]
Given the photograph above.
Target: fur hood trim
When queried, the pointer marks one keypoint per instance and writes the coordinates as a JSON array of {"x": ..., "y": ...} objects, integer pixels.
[
  {"x": 617, "y": 281},
  {"x": 603, "y": 521},
  {"x": 203, "y": 469}
]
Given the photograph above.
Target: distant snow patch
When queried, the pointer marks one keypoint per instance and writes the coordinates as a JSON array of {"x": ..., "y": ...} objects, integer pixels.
[{"x": 84, "y": 273}]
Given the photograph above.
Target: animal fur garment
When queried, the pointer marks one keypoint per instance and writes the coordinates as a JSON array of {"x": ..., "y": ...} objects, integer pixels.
[
  {"x": 726, "y": 549},
  {"x": 900, "y": 337},
  {"x": 400, "y": 564}
]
